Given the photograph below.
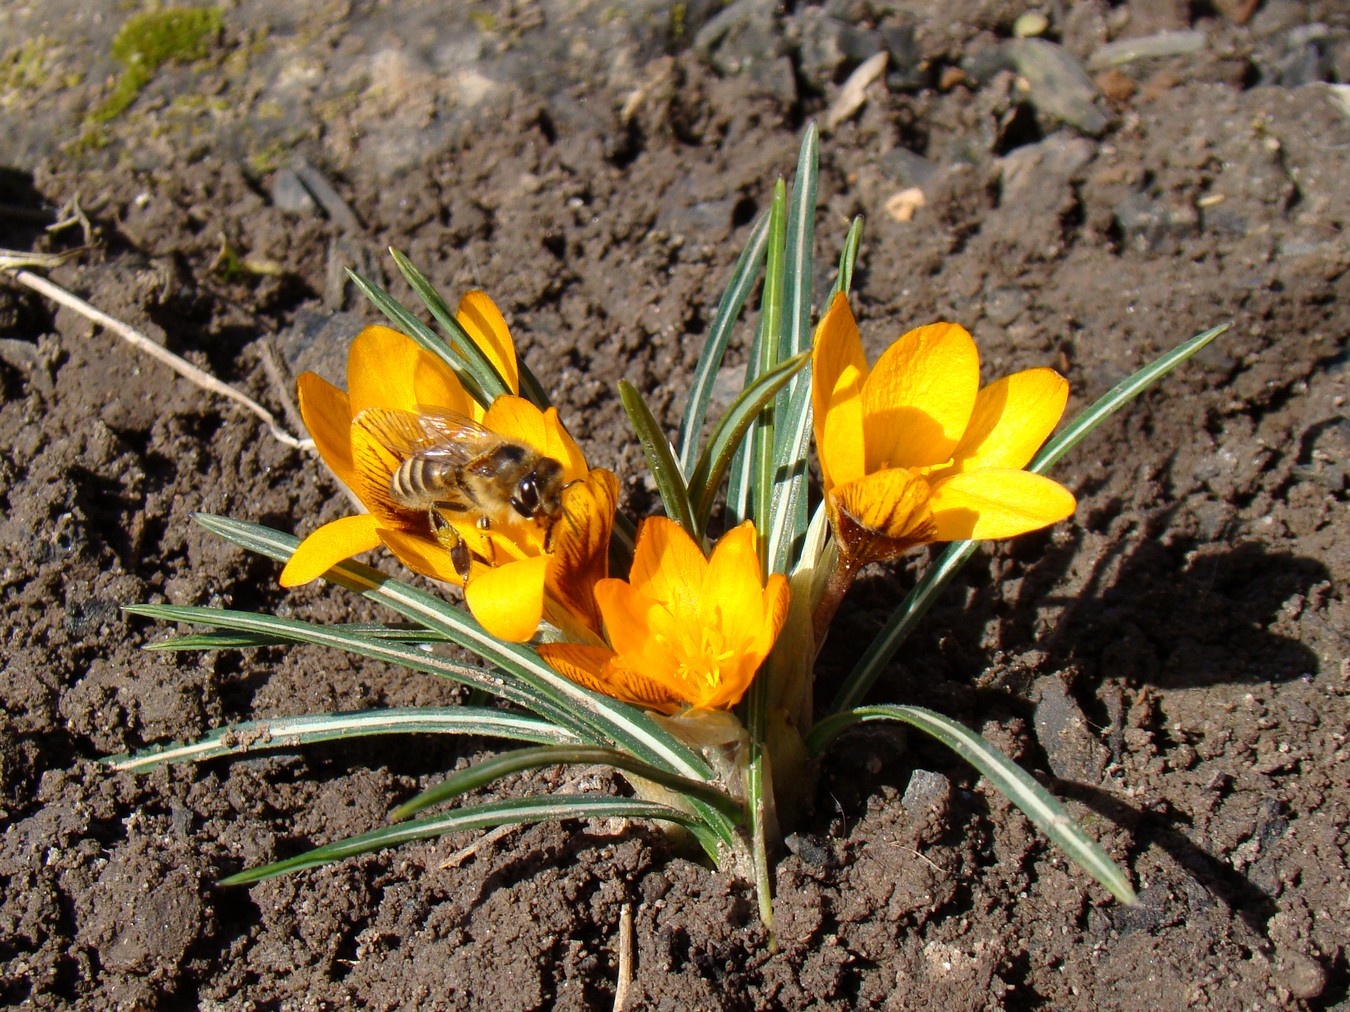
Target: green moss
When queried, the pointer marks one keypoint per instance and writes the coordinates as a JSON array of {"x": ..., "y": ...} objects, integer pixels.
[
  {"x": 150, "y": 40},
  {"x": 29, "y": 66},
  {"x": 483, "y": 21}
]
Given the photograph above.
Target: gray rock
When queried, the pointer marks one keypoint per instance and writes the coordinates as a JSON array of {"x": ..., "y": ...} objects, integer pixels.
[
  {"x": 926, "y": 793},
  {"x": 1074, "y": 752},
  {"x": 826, "y": 46},
  {"x": 290, "y": 195},
  {"x": 1058, "y": 84},
  {"x": 747, "y": 39},
  {"x": 904, "y": 168},
  {"x": 1151, "y": 226},
  {"x": 1003, "y": 306}
]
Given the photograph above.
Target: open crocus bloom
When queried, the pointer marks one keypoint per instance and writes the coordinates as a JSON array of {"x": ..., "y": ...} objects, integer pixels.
[
  {"x": 684, "y": 630},
  {"x": 521, "y": 570},
  {"x": 914, "y": 451}
]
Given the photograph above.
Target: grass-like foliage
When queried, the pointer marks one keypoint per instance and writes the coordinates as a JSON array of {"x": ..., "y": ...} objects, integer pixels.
[{"x": 683, "y": 657}]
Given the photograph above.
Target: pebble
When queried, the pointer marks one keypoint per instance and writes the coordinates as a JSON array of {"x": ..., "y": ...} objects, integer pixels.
[
  {"x": 927, "y": 792},
  {"x": 290, "y": 195},
  {"x": 1057, "y": 83},
  {"x": 746, "y": 39},
  {"x": 1075, "y": 754},
  {"x": 1030, "y": 24},
  {"x": 1147, "y": 47}
]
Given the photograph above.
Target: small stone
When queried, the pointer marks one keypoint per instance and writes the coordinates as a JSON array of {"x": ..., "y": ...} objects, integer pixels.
[
  {"x": 1116, "y": 85},
  {"x": 904, "y": 205},
  {"x": 290, "y": 195},
  {"x": 1057, "y": 83},
  {"x": 926, "y": 793},
  {"x": 1148, "y": 47},
  {"x": 1074, "y": 752},
  {"x": 1030, "y": 24}
]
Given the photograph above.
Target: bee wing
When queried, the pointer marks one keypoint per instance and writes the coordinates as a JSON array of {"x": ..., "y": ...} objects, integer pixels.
[{"x": 439, "y": 435}]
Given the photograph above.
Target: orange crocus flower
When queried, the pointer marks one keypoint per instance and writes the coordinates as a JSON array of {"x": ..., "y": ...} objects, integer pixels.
[
  {"x": 914, "y": 451},
  {"x": 520, "y": 570},
  {"x": 684, "y": 630}
]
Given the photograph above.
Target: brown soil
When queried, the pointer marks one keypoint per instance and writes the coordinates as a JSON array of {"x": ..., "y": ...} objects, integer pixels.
[{"x": 1173, "y": 661}]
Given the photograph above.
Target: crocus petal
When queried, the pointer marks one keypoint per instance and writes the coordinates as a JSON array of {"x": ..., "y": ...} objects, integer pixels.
[
  {"x": 668, "y": 566},
  {"x": 389, "y": 370},
  {"x": 581, "y": 552},
  {"x": 519, "y": 419},
  {"x": 423, "y": 554},
  {"x": 918, "y": 398},
  {"x": 1012, "y": 418},
  {"x": 332, "y": 543},
  {"x": 776, "y": 602},
  {"x": 996, "y": 503},
  {"x": 598, "y": 669},
  {"x": 483, "y": 322},
  {"x": 509, "y": 601},
  {"x": 328, "y": 417},
  {"x": 733, "y": 594},
  {"x": 626, "y": 612},
  {"x": 838, "y": 369},
  {"x": 878, "y": 517}
]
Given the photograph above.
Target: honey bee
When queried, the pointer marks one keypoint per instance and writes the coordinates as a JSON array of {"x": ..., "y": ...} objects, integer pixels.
[{"x": 452, "y": 466}]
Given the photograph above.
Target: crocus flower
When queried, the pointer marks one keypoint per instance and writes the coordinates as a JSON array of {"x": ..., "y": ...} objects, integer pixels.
[
  {"x": 684, "y": 630},
  {"x": 914, "y": 451},
  {"x": 520, "y": 570}
]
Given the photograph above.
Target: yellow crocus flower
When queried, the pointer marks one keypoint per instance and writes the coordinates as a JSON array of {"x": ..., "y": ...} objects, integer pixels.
[
  {"x": 685, "y": 630},
  {"x": 914, "y": 451},
  {"x": 520, "y": 570}
]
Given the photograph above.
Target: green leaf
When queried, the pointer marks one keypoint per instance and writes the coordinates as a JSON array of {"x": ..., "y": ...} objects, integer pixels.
[
  {"x": 521, "y": 690},
  {"x": 518, "y": 811},
  {"x": 461, "y": 346},
  {"x": 286, "y": 732},
  {"x": 599, "y": 719},
  {"x": 752, "y": 466},
  {"x": 742, "y": 280},
  {"x": 784, "y": 525},
  {"x": 485, "y": 772},
  {"x": 425, "y": 337},
  {"x": 1049, "y": 816},
  {"x": 660, "y": 459},
  {"x": 848, "y": 256},
  {"x": 244, "y": 640},
  {"x": 727, "y": 437},
  {"x": 905, "y": 617}
]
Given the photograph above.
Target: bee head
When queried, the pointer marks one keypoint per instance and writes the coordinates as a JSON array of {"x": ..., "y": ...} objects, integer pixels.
[{"x": 538, "y": 491}]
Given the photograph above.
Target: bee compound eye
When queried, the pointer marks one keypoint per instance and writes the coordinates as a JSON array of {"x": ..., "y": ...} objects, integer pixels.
[{"x": 526, "y": 499}]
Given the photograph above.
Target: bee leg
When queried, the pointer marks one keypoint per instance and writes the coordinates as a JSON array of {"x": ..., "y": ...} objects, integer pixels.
[
  {"x": 483, "y": 525},
  {"x": 445, "y": 533}
]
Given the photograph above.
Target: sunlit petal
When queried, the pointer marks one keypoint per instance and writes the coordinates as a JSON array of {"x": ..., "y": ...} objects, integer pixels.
[
  {"x": 328, "y": 417},
  {"x": 1012, "y": 418},
  {"x": 668, "y": 566},
  {"x": 733, "y": 594},
  {"x": 509, "y": 601},
  {"x": 918, "y": 398},
  {"x": 423, "y": 554},
  {"x": 332, "y": 543},
  {"x": 996, "y": 503},
  {"x": 581, "y": 551},
  {"x": 838, "y": 369},
  {"x": 381, "y": 370},
  {"x": 483, "y": 322}
]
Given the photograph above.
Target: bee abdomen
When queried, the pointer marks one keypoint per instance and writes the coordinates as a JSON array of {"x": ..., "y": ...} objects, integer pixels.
[{"x": 416, "y": 480}]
